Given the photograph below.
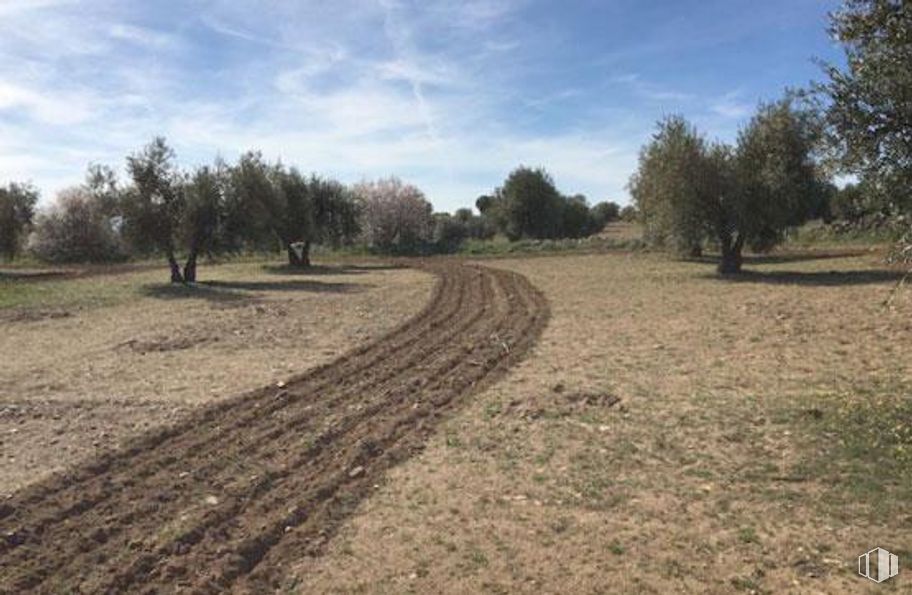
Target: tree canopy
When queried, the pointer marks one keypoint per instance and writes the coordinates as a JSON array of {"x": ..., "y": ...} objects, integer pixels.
[
  {"x": 688, "y": 190},
  {"x": 868, "y": 103},
  {"x": 17, "y": 209}
]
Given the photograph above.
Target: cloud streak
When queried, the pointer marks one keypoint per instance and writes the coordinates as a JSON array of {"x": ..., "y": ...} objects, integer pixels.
[{"x": 448, "y": 95}]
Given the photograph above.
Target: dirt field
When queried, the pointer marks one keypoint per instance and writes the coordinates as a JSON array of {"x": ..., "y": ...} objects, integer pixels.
[
  {"x": 671, "y": 432},
  {"x": 229, "y": 495},
  {"x": 668, "y": 432},
  {"x": 88, "y": 362}
]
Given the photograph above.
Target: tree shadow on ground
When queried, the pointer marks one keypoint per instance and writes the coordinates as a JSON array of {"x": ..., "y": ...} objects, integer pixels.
[
  {"x": 289, "y": 285},
  {"x": 34, "y": 275},
  {"x": 813, "y": 278},
  {"x": 176, "y": 291},
  {"x": 316, "y": 270},
  {"x": 787, "y": 257},
  {"x": 236, "y": 291}
]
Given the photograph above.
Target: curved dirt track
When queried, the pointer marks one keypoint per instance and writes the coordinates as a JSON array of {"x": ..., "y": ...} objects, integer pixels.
[{"x": 228, "y": 498}]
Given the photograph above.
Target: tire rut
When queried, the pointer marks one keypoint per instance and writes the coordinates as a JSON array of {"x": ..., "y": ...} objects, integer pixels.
[{"x": 225, "y": 499}]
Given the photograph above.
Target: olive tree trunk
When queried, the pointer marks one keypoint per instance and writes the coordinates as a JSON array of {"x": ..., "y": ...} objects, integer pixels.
[
  {"x": 296, "y": 261},
  {"x": 176, "y": 276},
  {"x": 190, "y": 268},
  {"x": 731, "y": 255}
]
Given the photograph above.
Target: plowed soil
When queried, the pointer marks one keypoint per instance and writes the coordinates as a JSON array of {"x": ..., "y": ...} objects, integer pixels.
[{"x": 229, "y": 497}]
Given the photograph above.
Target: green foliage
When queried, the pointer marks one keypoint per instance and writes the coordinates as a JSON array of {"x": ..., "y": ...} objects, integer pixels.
[
  {"x": 671, "y": 188},
  {"x": 689, "y": 191},
  {"x": 604, "y": 213},
  {"x": 630, "y": 214},
  {"x": 335, "y": 211},
  {"x": 17, "y": 209},
  {"x": 777, "y": 179},
  {"x": 253, "y": 205},
  {"x": 868, "y": 111},
  {"x": 577, "y": 221},
  {"x": 449, "y": 232},
  {"x": 152, "y": 208},
  {"x": 77, "y": 228},
  {"x": 529, "y": 205}
]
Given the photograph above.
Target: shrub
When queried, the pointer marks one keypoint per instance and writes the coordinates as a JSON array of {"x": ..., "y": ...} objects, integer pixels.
[
  {"x": 76, "y": 229},
  {"x": 396, "y": 217},
  {"x": 449, "y": 232},
  {"x": 17, "y": 208}
]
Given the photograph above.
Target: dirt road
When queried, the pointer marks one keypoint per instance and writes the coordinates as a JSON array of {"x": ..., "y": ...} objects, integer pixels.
[{"x": 227, "y": 498}]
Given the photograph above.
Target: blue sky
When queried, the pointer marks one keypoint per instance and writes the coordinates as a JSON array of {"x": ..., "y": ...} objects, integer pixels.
[{"x": 447, "y": 95}]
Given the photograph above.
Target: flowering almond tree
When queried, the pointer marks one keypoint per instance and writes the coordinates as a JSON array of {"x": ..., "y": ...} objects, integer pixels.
[{"x": 395, "y": 215}]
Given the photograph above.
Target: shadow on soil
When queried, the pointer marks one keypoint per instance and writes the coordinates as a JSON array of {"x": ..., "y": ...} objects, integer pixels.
[
  {"x": 815, "y": 278},
  {"x": 787, "y": 257},
  {"x": 329, "y": 269},
  {"x": 234, "y": 291},
  {"x": 33, "y": 275}
]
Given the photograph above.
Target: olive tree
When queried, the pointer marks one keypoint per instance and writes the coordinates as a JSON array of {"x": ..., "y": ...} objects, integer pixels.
[
  {"x": 336, "y": 217},
  {"x": 604, "y": 213},
  {"x": 271, "y": 204},
  {"x": 868, "y": 102},
  {"x": 688, "y": 190},
  {"x": 669, "y": 190},
  {"x": 17, "y": 209},
  {"x": 577, "y": 219},
  {"x": 530, "y": 205},
  {"x": 167, "y": 211},
  {"x": 153, "y": 206}
]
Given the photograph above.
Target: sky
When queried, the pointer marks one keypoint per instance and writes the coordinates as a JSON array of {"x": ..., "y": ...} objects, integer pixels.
[{"x": 447, "y": 95}]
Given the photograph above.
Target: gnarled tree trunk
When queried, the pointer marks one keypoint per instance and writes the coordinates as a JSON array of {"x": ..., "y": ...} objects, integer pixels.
[
  {"x": 176, "y": 276},
  {"x": 190, "y": 268},
  {"x": 301, "y": 261},
  {"x": 731, "y": 255}
]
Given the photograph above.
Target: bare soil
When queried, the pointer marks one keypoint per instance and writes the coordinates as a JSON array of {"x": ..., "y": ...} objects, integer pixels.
[
  {"x": 659, "y": 439},
  {"x": 230, "y": 495},
  {"x": 88, "y": 362}
]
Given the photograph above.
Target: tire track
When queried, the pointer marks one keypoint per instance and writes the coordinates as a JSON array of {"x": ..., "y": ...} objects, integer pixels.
[{"x": 225, "y": 499}]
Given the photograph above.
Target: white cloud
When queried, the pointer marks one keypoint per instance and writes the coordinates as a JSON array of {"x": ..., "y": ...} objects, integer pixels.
[
  {"x": 63, "y": 109},
  {"x": 649, "y": 90},
  {"x": 382, "y": 92},
  {"x": 142, "y": 36},
  {"x": 729, "y": 106}
]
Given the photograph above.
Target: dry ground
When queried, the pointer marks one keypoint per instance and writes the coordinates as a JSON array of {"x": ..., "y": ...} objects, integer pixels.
[
  {"x": 734, "y": 460},
  {"x": 86, "y": 362},
  {"x": 227, "y": 497}
]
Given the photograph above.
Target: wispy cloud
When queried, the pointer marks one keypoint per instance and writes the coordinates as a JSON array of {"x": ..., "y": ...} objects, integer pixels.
[
  {"x": 648, "y": 89},
  {"x": 450, "y": 95},
  {"x": 142, "y": 36},
  {"x": 732, "y": 106}
]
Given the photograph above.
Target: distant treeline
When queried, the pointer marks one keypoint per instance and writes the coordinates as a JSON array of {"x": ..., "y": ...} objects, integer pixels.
[
  {"x": 689, "y": 192},
  {"x": 254, "y": 205}
]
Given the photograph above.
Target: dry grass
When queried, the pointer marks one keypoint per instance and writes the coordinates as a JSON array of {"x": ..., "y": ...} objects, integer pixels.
[
  {"x": 622, "y": 231},
  {"x": 727, "y": 465},
  {"x": 86, "y": 362}
]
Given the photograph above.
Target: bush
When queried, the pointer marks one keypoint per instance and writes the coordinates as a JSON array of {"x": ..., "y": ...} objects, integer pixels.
[
  {"x": 604, "y": 213},
  {"x": 396, "y": 216},
  {"x": 76, "y": 229},
  {"x": 579, "y": 221},
  {"x": 449, "y": 232},
  {"x": 629, "y": 214},
  {"x": 17, "y": 208},
  {"x": 478, "y": 227}
]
